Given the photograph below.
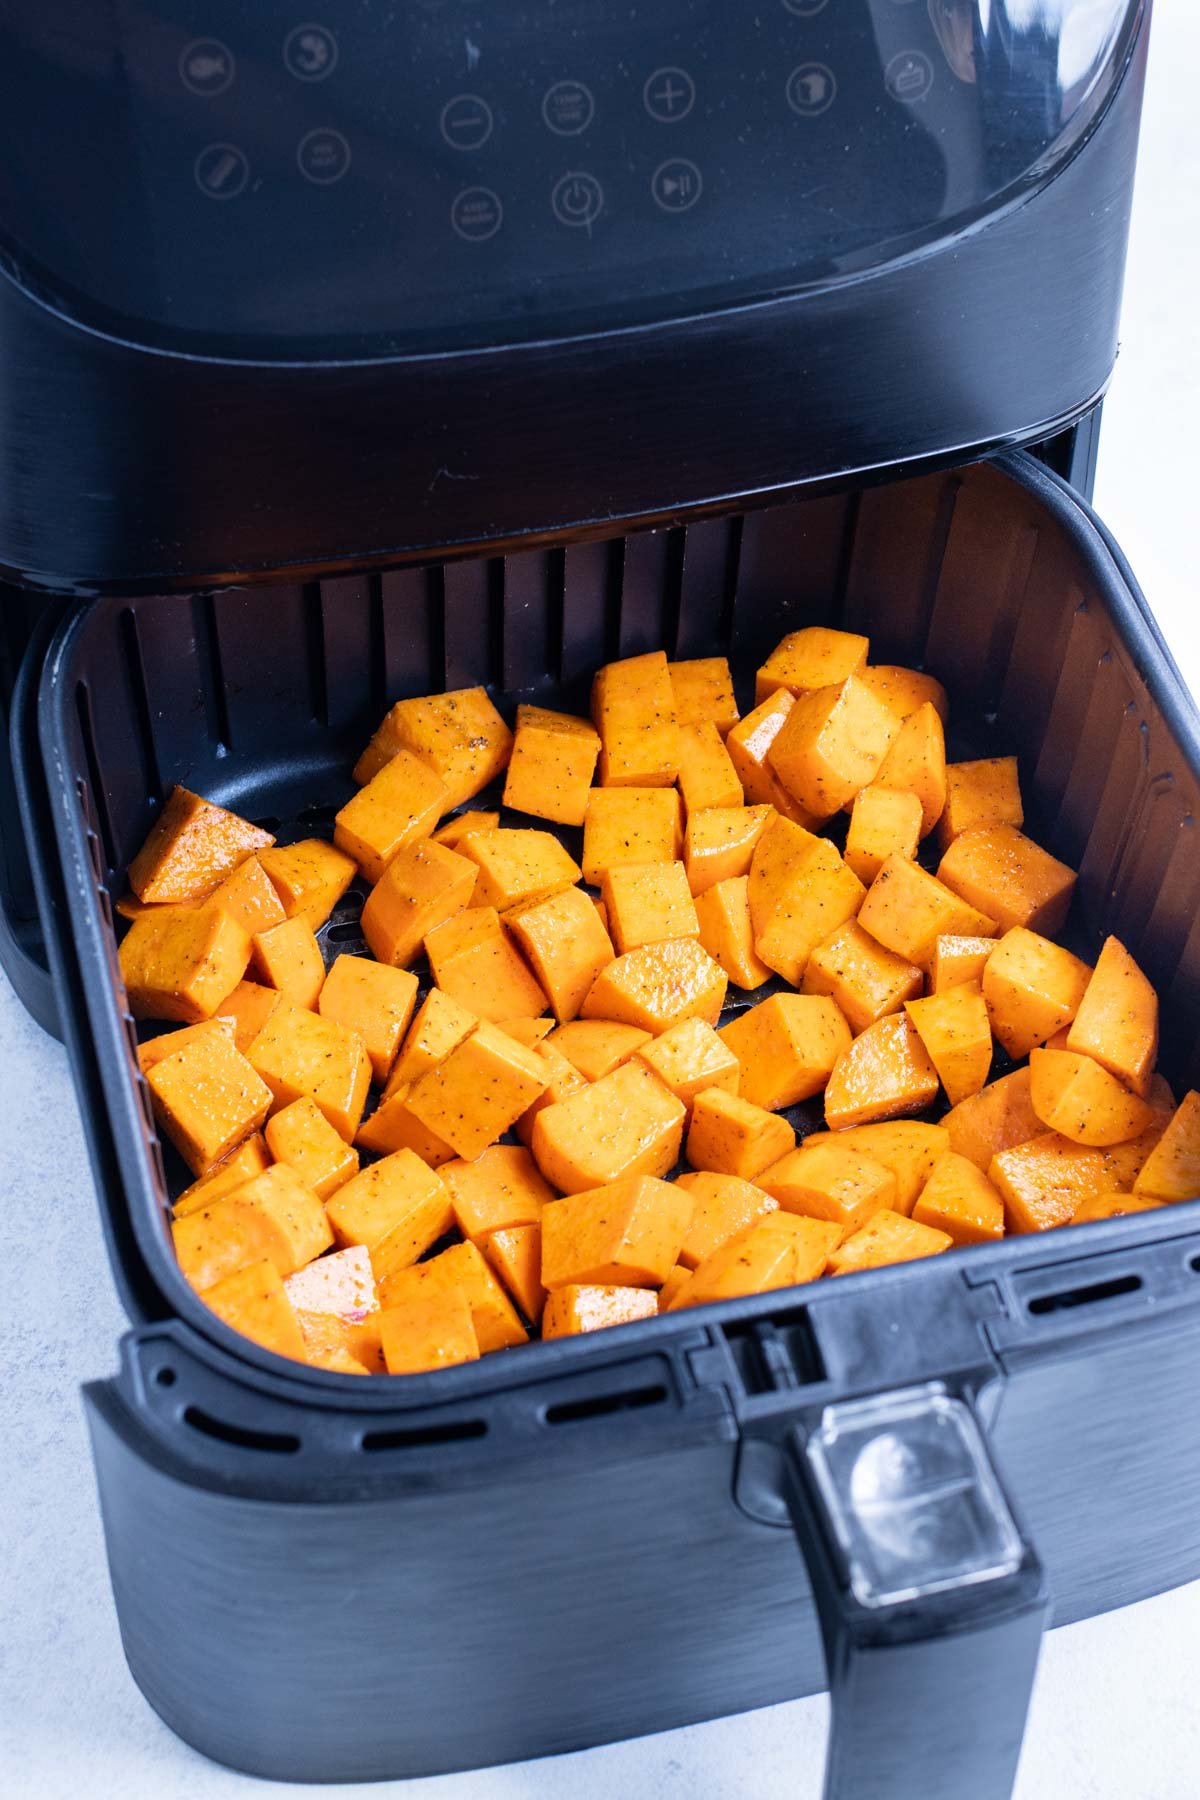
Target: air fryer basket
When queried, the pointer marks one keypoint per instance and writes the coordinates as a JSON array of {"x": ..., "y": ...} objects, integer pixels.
[{"x": 590, "y": 1538}]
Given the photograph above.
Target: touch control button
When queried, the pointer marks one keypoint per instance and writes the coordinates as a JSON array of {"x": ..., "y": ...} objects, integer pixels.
[
  {"x": 206, "y": 67},
  {"x": 466, "y": 122},
  {"x": 476, "y": 214},
  {"x": 669, "y": 95},
  {"x": 568, "y": 108},
  {"x": 221, "y": 171},
  {"x": 909, "y": 76},
  {"x": 676, "y": 184},
  {"x": 806, "y": 9},
  {"x": 811, "y": 89},
  {"x": 323, "y": 156},
  {"x": 577, "y": 199},
  {"x": 310, "y": 52}
]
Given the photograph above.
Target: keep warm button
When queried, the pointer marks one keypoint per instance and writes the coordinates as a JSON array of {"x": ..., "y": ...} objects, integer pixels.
[{"x": 676, "y": 185}]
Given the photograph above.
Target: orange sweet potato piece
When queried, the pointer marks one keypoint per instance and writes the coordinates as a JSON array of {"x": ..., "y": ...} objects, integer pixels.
[
  {"x": 885, "y": 1073},
  {"x": 827, "y": 1179},
  {"x": 574, "y": 1309},
  {"x": 980, "y": 794},
  {"x": 1032, "y": 988},
  {"x": 517, "y": 866},
  {"x": 597, "y": 1046},
  {"x": 866, "y": 981},
  {"x": 248, "y": 895},
  {"x": 702, "y": 688},
  {"x": 297, "y": 1053},
  {"x": 551, "y": 767},
  {"x": 722, "y": 1207},
  {"x": 394, "y": 1126},
  {"x": 288, "y": 958},
  {"x": 207, "y": 1099},
  {"x": 564, "y": 1081},
  {"x": 707, "y": 776},
  {"x": 310, "y": 878},
  {"x": 182, "y": 964},
  {"x": 500, "y": 1189},
  {"x": 458, "y": 825},
  {"x": 719, "y": 843},
  {"x": 908, "y": 1147},
  {"x": 421, "y": 886},
  {"x": 903, "y": 691},
  {"x": 1172, "y": 1169},
  {"x": 169, "y": 1043},
  {"x": 1045, "y": 1181},
  {"x": 887, "y": 1237},
  {"x": 192, "y": 846},
  {"x": 479, "y": 1091},
  {"x": 907, "y": 910},
  {"x": 647, "y": 903},
  {"x": 627, "y": 1123},
  {"x": 1074, "y": 1095},
  {"x": 1117, "y": 1019},
  {"x": 831, "y": 745},
  {"x": 816, "y": 656},
  {"x": 1112, "y": 1206},
  {"x": 439, "y": 1023},
  {"x": 787, "y": 1047},
  {"x": 690, "y": 1057},
  {"x": 957, "y": 960},
  {"x": 782, "y": 852},
  {"x": 515, "y": 1254},
  {"x": 430, "y": 1331},
  {"x": 1010, "y": 878},
  {"x": 340, "y": 1284},
  {"x": 658, "y": 985},
  {"x": 374, "y": 1001},
  {"x": 395, "y": 1209},
  {"x": 250, "y": 1158},
  {"x": 567, "y": 945},
  {"x": 633, "y": 709},
  {"x": 625, "y": 1234},
  {"x": 780, "y": 1250},
  {"x": 732, "y": 1136},
  {"x": 252, "y": 1300},
  {"x": 959, "y": 1199},
  {"x": 884, "y": 821},
  {"x": 459, "y": 735},
  {"x": 999, "y": 1117},
  {"x": 400, "y": 804},
  {"x": 630, "y": 825},
  {"x": 301, "y": 1136},
  {"x": 247, "y": 1009},
  {"x": 749, "y": 746},
  {"x": 460, "y": 1269},
  {"x": 824, "y": 895},
  {"x": 474, "y": 960},
  {"x": 955, "y": 1030},
  {"x": 916, "y": 763},
  {"x": 273, "y": 1216},
  {"x": 727, "y": 931}
]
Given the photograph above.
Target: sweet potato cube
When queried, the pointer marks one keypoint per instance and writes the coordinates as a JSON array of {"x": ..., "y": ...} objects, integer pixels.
[
  {"x": 980, "y": 794},
  {"x": 310, "y": 878},
  {"x": 787, "y": 1047},
  {"x": 395, "y": 1209},
  {"x": 1005, "y": 874},
  {"x": 298, "y": 1053},
  {"x": 625, "y": 1234},
  {"x": 460, "y": 1269},
  {"x": 247, "y": 1009},
  {"x": 248, "y": 895},
  {"x": 780, "y": 1250},
  {"x": 1172, "y": 1169},
  {"x": 517, "y": 866},
  {"x": 908, "y": 1147},
  {"x": 1112, "y": 1206},
  {"x": 630, "y": 825},
  {"x": 394, "y": 1126},
  {"x": 827, "y": 1179},
  {"x": 707, "y": 777},
  {"x": 907, "y": 910},
  {"x": 1043, "y": 1182},
  {"x": 866, "y": 981},
  {"x": 904, "y": 691},
  {"x": 460, "y": 824},
  {"x": 884, "y": 1074},
  {"x": 888, "y": 1237},
  {"x": 957, "y": 960},
  {"x": 633, "y": 709},
  {"x": 571, "y": 1310},
  {"x": 676, "y": 1281},
  {"x": 731, "y": 1136},
  {"x": 783, "y": 851},
  {"x": 657, "y": 986},
  {"x": 421, "y": 886},
  {"x": 502, "y": 1188},
  {"x": 459, "y": 735},
  {"x": 648, "y": 903},
  {"x": 1000, "y": 1116},
  {"x": 719, "y": 842},
  {"x": 1074, "y": 1095},
  {"x": 372, "y": 1000},
  {"x": 341, "y": 1284},
  {"x": 597, "y": 1046},
  {"x": 567, "y": 944},
  {"x": 302, "y": 1137},
  {"x": 515, "y": 1255},
  {"x": 475, "y": 962},
  {"x": 916, "y": 764},
  {"x": 192, "y": 846},
  {"x": 430, "y": 1331},
  {"x": 749, "y": 744},
  {"x": 253, "y": 1301},
  {"x": 551, "y": 767},
  {"x": 727, "y": 932},
  {"x": 169, "y": 1043},
  {"x": 959, "y": 1199},
  {"x": 625, "y": 1124},
  {"x": 529, "y": 1032},
  {"x": 400, "y": 804},
  {"x": 1032, "y": 988},
  {"x": 564, "y": 1081},
  {"x": 702, "y": 689},
  {"x": 272, "y": 1216},
  {"x": 182, "y": 964},
  {"x": 689, "y": 1058},
  {"x": 288, "y": 958},
  {"x": 478, "y": 1091},
  {"x": 438, "y": 1025},
  {"x": 883, "y": 822},
  {"x": 250, "y": 1158},
  {"x": 351, "y": 1346},
  {"x": 955, "y": 1030},
  {"x": 814, "y": 657},
  {"x": 207, "y": 1099},
  {"x": 831, "y": 744},
  {"x": 823, "y": 896},
  {"x": 723, "y": 1206},
  {"x": 1116, "y": 1022}
]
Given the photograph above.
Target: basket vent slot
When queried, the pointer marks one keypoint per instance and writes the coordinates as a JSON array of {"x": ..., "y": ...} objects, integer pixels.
[
  {"x": 598, "y": 1406},
  {"x": 1086, "y": 1295},
  {"x": 280, "y": 1443},
  {"x": 422, "y": 1437}
]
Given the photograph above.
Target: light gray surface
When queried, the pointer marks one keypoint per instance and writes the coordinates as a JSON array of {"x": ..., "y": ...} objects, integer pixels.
[{"x": 1114, "y": 1714}]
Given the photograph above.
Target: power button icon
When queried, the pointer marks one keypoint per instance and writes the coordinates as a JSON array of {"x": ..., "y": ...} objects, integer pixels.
[{"x": 577, "y": 199}]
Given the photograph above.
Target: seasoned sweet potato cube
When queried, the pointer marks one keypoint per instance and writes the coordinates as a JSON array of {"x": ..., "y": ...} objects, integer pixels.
[
  {"x": 884, "y": 822},
  {"x": 633, "y": 709},
  {"x": 529, "y": 1032},
  {"x": 461, "y": 1269},
  {"x": 689, "y": 1058},
  {"x": 630, "y": 825},
  {"x": 959, "y": 1199},
  {"x": 247, "y": 1009},
  {"x": 980, "y": 794},
  {"x": 749, "y": 744},
  {"x": 814, "y": 657},
  {"x": 191, "y": 847},
  {"x": 783, "y": 850},
  {"x": 676, "y": 1281},
  {"x": 248, "y": 895},
  {"x": 457, "y": 827},
  {"x": 439, "y": 1023},
  {"x": 250, "y": 1158},
  {"x": 182, "y": 964},
  {"x": 1116, "y": 1022},
  {"x": 1074, "y": 1095},
  {"x": 1005, "y": 874},
  {"x": 1044, "y": 1182},
  {"x": 827, "y": 1179},
  {"x": 298, "y": 1053},
  {"x": 310, "y": 878},
  {"x": 564, "y": 1081},
  {"x": 625, "y": 1124},
  {"x": 341, "y": 1284},
  {"x": 395, "y": 1209},
  {"x": 169, "y": 1043},
  {"x": 430, "y": 1331},
  {"x": 207, "y": 1099},
  {"x": 1000, "y": 1116},
  {"x": 904, "y": 691},
  {"x": 571, "y": 1310},
  {"x": 1172, "y": 1169},
  {"x": 272, "y": 1216},
  {"x": 551, "y": 767},
  {"x": 955, "y": 1030},
  {"x": 253, "y": 1301},
  {"x": 885, "y": 1073},
  {"x": 719, "y": 842},
  {"x": 374, "y": 1001},
  {"x": 957, "y": 960},
  {"x": 567, "y": 944},
  {"x": 787, "y": 1047},
  {"x": 478, "y": 1091},
  {"x": 831, "y": 744},
  {"x": 866, "y": 981},
  {"x": 400, "y": 804},
  {"x": 823, "y": 896},
  {"x": 657, "y": 986},
  {"x": 731, "y": 1136},
  {"x": 1112, "y": 1206},
  {"x": 707, "y": 777},
  {"x": 351, "y": 1346},
  {"x": 460, "y": 735},
  {"x": 888, "y": 1237},
  {"x": 421, "y": 886},
  {"x": 1032, "y": 988},
  {"x": 907, "y": 910},
  {"x": 648, "y": 903},
  {"x": 288, "y": 958},
  {"x": 501, "y": 1188},
  {"x": 515, "y": 1255},
  {"x": 597, "y": 1046},
  {"x": 475, "y": 962},
  {"x": 908, "y": 1147},
  {"x": 625, "y": 1234},
  {"x": 916, "y": 763},
  {"x": 517, "y": 866},
  {"x": 301, "y": 1136},
  {"x": 702, "y": 689},
  {"x": 780, "y": 1250},
  {"x": 722, "y": 1207},
  {"x": 394, "y": 1126},
  {"x": 727, "y": 932}
]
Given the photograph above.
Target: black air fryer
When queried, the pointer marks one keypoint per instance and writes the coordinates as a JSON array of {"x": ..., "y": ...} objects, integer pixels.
[{"x": 437, "y": 343}]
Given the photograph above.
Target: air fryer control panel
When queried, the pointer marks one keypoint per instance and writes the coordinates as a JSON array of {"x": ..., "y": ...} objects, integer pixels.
[{"x": 443, "y": 171}]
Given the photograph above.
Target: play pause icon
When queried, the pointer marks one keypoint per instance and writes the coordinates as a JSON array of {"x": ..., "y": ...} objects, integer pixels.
[{"x": 676, "y": 185}]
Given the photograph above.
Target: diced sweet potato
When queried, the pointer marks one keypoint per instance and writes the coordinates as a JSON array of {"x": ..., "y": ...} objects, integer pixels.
[
  {"x": 707, "y": 776},
  {"x": 658, "y": 985},
  {"x": 749, "y": 745},
  {"x": 597, "y": 1046},
  {"x": 575, "y": 1309},
  {"x": 341, "y": 1284},
  {"x": 248, "y": 1008},
  {"x": 888, "y": 1237},
  {"x": 831, "y": 744},
  {"x": 460, "y": 735},
  {"x": 564, "y": 1081},
  {"x": 474, "y": 960},
  {"x": 460, "y": 1269},
  {"x": 502, "y": 1188},
  {"x": 1112, "y": 1206},
  {"x": 517, "y": 866},
  {"x": 633, "y": 709},
  {"x": 916, "y": 763},
  {"x": 732, "y": 1136},
  {"x": 722, "y": 1207},
  {"x": 702, "y": 688},
  {"x": 207, "y": 1099},
  {"x": 625, "y": 1234},
  {"x": 439, "y": 1023},
  {"x": 352, "y": 1347},
  {"x": 1074, "y": 1095},
  {"x": 169, "y": 1043},
  {"x": 225, "y": 1177},
  {"x": 1172, "y": 1169},
  {"x": 690, "y": 1057},
  {"x": 298, "y": 1053},
  {"x": 903, "y": 691},
  {"x": 181, "y": 964},
  {"x": 814, "y": 657},
  {"x": 828, "y": 1179},
  {"x": 787, "y": 1047},
  {"x": 884, "y": 822},
  {"x": 823, "y": 896},
  {"x": 301, "y": 1136},
  {"x": 627, "y": 1123},
  {"x": 394, "y": 1126},
  {"x": 959, "y": 1199},
  {"x": 372, "y": 1000},
  {"x": 957, "y": 960},
  {"x": 515, "y": 1254},
  {"x": 1045, "y": 1181},
  {"x": 885, "y": 1073},
  {"x": 719, "y": 843},
  {"x": 1116, "y": 1022},
  {"x": 676, "y": 1281},
  {"x": 866, "y": 981},
  {"x": 248, "y": 895},
  {"x": 1032, "y": 988},
  {"x": 566, "y": 943},
  {"x": 529, "y": 1032},
  {"x": 272, "y": 1216},
  {"x": 253, "y": 1301},
  {"x": 648, "y": 903},
  {"x": 630, "y": 825},
  {"x": 999, "y": 1117},
  {"x": 551, "y": 767},
  {"x": 955, "y": 1030},
  {"x": 980, "y": 794},
  {"x": 288, "y": 958},
  {"x": 430, "y": 1331},
  {"x": 192, "y": 846},
  {"x": 780, "y": 1250},
  {"x": 908, "y": 1147},
  {"x": 458, "y": 825},
  {"x": 783, "y": 851},
  {"x": 1006, "y": 875},
  {"x": 395, "y": 1210},
  {"x": 907, "y": 910},
  {"x": 400, "y": 804},
  {"x": 310, "y": 878},
  {"x": 727, "y": 932},
  {"x": 421, "y": 886},
  {"x": 478, "y": 1091}
]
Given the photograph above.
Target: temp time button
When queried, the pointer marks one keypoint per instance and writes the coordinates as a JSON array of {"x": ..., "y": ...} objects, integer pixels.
[{"x": 568, "y": 108}]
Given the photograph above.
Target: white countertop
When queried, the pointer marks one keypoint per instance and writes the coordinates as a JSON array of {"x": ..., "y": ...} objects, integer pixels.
[{"x": 1114, "y": 1714}]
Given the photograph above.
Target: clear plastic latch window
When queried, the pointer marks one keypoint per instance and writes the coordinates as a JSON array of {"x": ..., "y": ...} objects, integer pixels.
[{"x": 912, "y": 1496}]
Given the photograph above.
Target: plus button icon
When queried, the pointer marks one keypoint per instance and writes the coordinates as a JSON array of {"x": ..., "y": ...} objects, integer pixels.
[{"x": 669, "y": 95}]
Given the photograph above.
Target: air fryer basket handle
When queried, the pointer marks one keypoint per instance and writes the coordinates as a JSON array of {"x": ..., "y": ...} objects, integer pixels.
[{"x": 932, "y": 1602}]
